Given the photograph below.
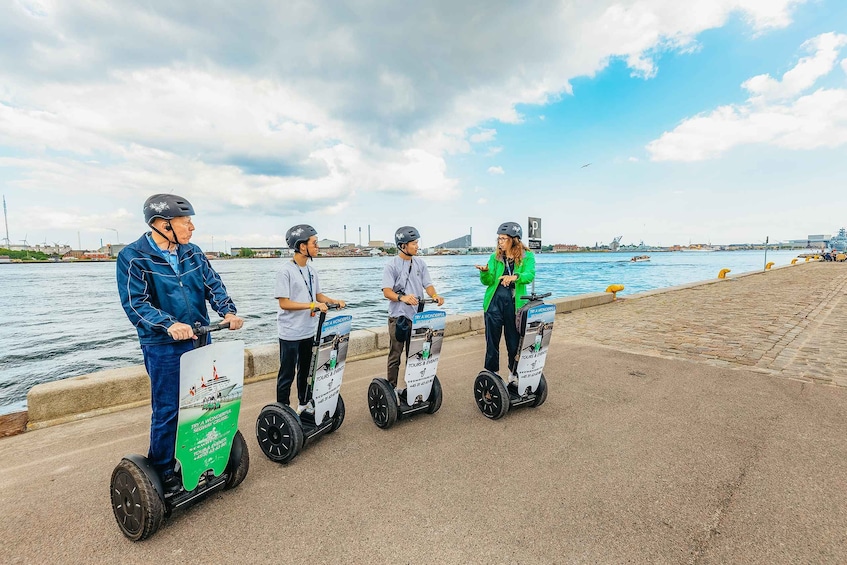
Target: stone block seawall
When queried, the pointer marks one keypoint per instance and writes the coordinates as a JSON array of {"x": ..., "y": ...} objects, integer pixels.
[{"x": 103, "y": 392}]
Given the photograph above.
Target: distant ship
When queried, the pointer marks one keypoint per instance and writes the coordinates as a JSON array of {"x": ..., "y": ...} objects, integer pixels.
[
  {"x": 639, "y": 259},
  {"x": 839, "y": 242},
  {"x": 208, "y": 394}
]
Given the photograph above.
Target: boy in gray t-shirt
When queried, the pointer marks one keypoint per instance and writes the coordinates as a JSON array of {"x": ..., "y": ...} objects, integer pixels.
[
  {"x": 404, "y": 279},
  {"x": 299, "y": 294}
]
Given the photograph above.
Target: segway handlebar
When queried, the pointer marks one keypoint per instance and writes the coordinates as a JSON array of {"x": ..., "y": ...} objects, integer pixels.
[
  {"x": 427, "y": 300},
  {"x": 534, "y": 296},
  {"x": 200, "y": 331}
]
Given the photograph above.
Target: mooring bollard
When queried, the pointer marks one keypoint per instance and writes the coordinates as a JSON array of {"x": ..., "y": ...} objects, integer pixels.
[
  {"x": 614, "y": 289},
  {"x": 769, "y": 265},
  {"x": 722, "y": 274},
  {"x": 794, "y": 261}
]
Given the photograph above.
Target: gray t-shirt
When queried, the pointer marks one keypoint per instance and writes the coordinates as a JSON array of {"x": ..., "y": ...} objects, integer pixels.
[
  {"x": 300, "y": 285},
  {"x": 398, "y": 277}
]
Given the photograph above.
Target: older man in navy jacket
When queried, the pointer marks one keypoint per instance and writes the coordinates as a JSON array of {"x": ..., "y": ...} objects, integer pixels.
[{"x": 164, "y": 283}]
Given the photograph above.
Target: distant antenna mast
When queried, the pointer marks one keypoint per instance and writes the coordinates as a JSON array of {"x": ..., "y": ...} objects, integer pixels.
[{"x": 6, "y": 219}]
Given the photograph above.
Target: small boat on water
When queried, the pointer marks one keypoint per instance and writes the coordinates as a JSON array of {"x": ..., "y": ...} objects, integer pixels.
[{"x": 639, "y": 259}]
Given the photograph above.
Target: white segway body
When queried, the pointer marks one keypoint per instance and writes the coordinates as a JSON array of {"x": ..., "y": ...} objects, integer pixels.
[
  {"x": 535, "y": 341},
  {"x": 424, "y": 352}
]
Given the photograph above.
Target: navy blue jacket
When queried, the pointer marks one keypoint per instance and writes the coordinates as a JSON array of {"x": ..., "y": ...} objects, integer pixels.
[{"x": 154, "y": 297}]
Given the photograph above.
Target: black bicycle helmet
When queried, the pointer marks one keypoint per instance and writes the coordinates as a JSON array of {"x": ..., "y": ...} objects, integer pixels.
[
  {"x": 299, "y": 234},
  {"x": 406, "y": 234},
  {"x": 167, "y": 207},
  {"x": 512, "y": 229}
]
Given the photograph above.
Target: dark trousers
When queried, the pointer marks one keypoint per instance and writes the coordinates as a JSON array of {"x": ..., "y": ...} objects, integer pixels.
[
  {"x": 395, "y": 351},
  {"x": 500, "y": 316},
  {"x": 162, "y": 364},
  {"x": 296, "y": 354}
]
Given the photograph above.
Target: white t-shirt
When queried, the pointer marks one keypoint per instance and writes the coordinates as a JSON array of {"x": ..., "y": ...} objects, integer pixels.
[
  {"x": 398, "y": 276},
  {"x": 299, "y": 284}
]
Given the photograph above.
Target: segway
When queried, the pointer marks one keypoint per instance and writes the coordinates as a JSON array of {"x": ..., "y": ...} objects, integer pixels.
[
  {"x": 527, "y": 386},
  {"x": 212, "y": 453},
  {"x": 423, "y": 390},
  {"x": 281, "y": 432}
]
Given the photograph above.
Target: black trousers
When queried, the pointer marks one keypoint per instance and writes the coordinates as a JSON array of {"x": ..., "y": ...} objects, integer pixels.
[
  {"x": 500, "y": 316},
  {"x": 395, "y": 351},
  {"x": 293, "y": 355}
]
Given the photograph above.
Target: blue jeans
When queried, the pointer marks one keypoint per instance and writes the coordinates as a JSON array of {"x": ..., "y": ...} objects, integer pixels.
[{"x": 162, "y": 363}]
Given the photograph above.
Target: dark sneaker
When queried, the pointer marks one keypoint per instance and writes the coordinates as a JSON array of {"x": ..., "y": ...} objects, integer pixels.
[{"x": 171, "y": 483}]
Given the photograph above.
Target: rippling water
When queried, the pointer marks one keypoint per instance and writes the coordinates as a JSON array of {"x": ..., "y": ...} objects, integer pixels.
[{"x": 62, "y": 320}]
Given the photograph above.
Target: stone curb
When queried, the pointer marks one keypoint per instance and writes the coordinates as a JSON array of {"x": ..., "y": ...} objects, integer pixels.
[{"x": 89, "y": 395}]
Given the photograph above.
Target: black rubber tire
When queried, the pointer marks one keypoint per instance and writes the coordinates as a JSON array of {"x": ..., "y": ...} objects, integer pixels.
[
  {"x": 338, "y": 418},
  {"x": 237, "y": 467},
  {"x": 137, "y": 506},
  {"x": 279, "y": 433},
  {"x": 382, "y": 402},
  {"x": 491, "y": 395},
  {"x": 540, "y": 392},
  {"x": 434, "y": 396}
]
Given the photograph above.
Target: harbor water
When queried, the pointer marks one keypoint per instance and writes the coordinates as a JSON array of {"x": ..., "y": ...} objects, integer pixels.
[{"x": 61, "y": 320}]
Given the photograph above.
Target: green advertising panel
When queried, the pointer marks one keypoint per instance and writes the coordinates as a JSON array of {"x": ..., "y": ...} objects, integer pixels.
[{"x": 210, "y": 388}]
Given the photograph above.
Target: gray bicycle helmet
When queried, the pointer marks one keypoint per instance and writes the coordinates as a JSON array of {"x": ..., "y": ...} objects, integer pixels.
[
  {"x": 405, "y": 235},
  {"x": 512, "y": 229},
  {"x": 167, "y": 207},
  {"x": 299, "y": 234}
]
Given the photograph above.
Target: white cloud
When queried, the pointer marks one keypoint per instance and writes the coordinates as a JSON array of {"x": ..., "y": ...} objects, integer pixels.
[
  {"x": 498, "y": 170},
  {"x": 776, "y": 114},
  {"x": 318, "y": 106},
  {"x": 824, "y": 53},
  {"x": 633, "y": 159},
  {"x": 483, "y": 135},
  {"x": 482, "y": 201},
  {"x": 492, "y": 151}
]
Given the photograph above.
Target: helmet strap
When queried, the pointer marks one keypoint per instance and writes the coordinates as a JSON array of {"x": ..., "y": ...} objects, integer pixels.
[{"x": 170, "y": 241}]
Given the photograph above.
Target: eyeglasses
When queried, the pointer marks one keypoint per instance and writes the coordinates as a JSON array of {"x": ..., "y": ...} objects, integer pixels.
[{"x": 503, "y": 238}]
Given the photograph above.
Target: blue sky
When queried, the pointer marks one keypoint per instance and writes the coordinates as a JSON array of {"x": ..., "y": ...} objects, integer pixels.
[{"x": 721, "y": 121}]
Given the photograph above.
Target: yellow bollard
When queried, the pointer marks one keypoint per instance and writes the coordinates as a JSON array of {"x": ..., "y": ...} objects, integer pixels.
[
  {"x": 614, "y": 289},
  {"x": 794, "y": 261},
  {"x": 807, "y": 259},
  {"x": 769, "y": 265},
  {"x": 722, "y": 274}
]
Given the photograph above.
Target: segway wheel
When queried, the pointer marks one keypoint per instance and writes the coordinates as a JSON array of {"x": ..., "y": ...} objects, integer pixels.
[
  {"x": 382, "y": 403},
  {"x": 540, "y": 392},
  {"x": 434, "y": 397},
  {"x": 279, "y": 433},
  {"x": 137, "y": 506},
  {"x": 338, "y": 418},
  {"x": 239, "y": 462},
  {"x": 491, "y": 395}
]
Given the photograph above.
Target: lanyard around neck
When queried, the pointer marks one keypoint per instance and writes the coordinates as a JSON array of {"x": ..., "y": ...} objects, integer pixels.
[{"x": 308, "y": 284}]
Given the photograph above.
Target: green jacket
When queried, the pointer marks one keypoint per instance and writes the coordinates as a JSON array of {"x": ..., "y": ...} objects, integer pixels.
[{"x": 496, "y": 269}]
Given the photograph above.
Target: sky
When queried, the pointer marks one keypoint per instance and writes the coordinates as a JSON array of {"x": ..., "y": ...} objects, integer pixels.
[{"x": 705, "y": 121}]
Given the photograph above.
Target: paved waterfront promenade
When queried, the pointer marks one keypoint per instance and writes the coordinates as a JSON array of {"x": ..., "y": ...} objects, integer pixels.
[{"x": 696, "y": 426}]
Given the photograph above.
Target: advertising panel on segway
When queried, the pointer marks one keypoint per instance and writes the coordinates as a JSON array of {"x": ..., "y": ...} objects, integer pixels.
[
  {"x": 423, "y": 390},
  {"x": 280, "y": 431},
  {"x": 211, "y": 452}
]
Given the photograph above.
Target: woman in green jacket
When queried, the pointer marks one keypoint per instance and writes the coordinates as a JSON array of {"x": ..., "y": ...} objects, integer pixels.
[{"x": 506, "y": 275}]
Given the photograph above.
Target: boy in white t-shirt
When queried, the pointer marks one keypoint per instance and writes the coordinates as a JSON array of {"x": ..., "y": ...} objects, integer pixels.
[
  {"x": 299, "y": 294},
  {"x": 404, "y": 279}
]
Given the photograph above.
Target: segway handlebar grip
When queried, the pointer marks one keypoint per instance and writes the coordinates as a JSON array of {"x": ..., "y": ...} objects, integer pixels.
[
  {"x": 200, "y": 331},
  {"x": 333, "y": 306},
  {"x": 536, "y": 296}
]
